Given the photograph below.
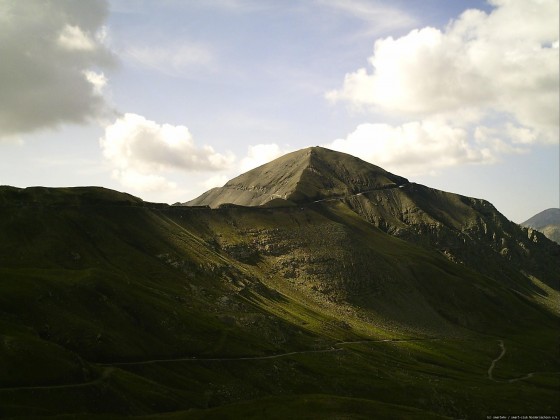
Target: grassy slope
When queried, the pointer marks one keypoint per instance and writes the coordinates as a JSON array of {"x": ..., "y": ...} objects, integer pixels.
[{"x": 87, "y": 285}]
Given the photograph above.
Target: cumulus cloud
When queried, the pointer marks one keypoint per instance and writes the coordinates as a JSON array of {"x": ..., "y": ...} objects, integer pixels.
[
  {"x": 506, "y": 60},
  {"x": 52, "y": 53},
  {"x": 500, "y": 66},
  {"x": 414, "y": 147},
  {"x": 142, "y": 151},
  {"x": 131, "y": 178}
]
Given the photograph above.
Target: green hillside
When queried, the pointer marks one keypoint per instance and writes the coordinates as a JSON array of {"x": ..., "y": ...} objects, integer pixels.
[{"x": 113, "y": 306}]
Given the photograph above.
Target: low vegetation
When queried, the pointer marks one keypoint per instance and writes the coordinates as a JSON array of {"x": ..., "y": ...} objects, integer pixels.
[{"x": 113, "y": 307}]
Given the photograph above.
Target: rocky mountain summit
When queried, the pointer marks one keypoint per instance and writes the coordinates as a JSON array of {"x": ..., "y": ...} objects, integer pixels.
[{"x": 303, "y": 176}]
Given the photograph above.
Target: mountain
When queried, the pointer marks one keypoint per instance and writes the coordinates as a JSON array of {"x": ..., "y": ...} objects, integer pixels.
[
  {"x": 466, "y": 230},
  {"x": 358, "y": 295},
  {"x": 300, "y": 177},
  {"x": 547, "y": 222}
]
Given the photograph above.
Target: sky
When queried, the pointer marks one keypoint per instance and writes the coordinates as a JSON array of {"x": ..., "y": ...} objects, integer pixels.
[{"x": 166, "y": 99}]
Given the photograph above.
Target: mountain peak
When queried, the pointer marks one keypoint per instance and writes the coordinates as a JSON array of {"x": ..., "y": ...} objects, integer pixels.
[
  {"x": 302, "y": 176},
  {"x": 547, "y": 222},
  {"x": 546, "y": 217}
]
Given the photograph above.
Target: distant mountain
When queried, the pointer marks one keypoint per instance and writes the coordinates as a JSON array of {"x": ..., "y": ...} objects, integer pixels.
[
  {"x": 547, "y": 222},
  {"x": 327, "y": 288}
]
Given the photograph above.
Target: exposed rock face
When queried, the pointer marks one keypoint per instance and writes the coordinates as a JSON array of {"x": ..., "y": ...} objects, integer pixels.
[{"x": 547, "y": 222}]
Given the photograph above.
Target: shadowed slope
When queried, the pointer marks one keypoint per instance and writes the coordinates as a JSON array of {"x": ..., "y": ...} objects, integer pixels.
[{"x": 466, "y": 230}]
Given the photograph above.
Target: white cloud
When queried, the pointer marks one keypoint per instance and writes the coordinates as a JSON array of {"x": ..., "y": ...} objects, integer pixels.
[
  {"x": 97, "y": 80},
  {"x": 383, "y": 16},
  {"x": 503, "y": 64},
  {"x": 47, "y": 50},
  {"x": 142, "y": 151},
  {"x": 137, "y": 181},
  {"x": 259, "y": 155},
  {"x": 414, "y": 147},
  {"x": 73, "y": 38},
  {"x": 231, "y": 6},
  {"x": 174, "y": 60},
  {"x": 492, "y": 138}
]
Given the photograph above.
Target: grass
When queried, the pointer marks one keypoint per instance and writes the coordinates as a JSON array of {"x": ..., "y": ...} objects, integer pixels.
[{"x": 110, "y": 279}]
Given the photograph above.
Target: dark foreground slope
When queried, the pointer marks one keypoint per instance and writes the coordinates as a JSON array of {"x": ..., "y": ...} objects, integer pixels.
[{"x": 110, "y": 305}]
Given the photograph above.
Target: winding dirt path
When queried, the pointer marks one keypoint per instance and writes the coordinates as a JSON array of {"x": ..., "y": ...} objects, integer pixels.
[
  {"x": 336, "y": 347},
  {"x": 219, "y": 359},
  {"x": 493, "y": 364},
  {"x": 521, "y": 378},
  {"x": 110, "y": 367}
]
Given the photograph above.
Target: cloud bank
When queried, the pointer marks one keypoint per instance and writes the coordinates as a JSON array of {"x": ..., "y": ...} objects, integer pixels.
[
  {"x": 143, "y": 151},
  {"x": 496, "y": 70},
  {"x": 52, "y": 61},
  {"x": 413, "y": 147}
]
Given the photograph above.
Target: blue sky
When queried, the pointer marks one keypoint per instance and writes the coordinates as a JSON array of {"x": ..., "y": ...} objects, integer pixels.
[{"x": 165, "y": 99}]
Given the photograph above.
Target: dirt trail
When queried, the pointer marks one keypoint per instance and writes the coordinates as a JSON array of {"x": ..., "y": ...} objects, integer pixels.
[
  {"x": 493, "y": 364},
  {"x": 110, "y": 367},
  {"x": 107, "y": 371},
  {"x": 220, "y": 359},
  {"x": 342, "y": 197},
  {"x": 336, "y": 347},
  {"x": 497, "y": 359}
]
